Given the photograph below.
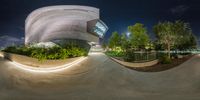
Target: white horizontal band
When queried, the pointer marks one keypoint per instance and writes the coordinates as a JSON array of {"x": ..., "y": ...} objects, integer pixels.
[{"x": 47, "y": 70}]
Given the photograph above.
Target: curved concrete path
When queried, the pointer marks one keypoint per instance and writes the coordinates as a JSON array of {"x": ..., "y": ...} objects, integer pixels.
[{"x": 99, "y": 78}]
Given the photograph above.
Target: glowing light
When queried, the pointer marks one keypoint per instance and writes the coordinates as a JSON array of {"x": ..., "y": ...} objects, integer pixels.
[
  {"x": 1, "y": 55},
  {"x": 128, "y": 34},
  {"x": 95, "y": 53},
  {"x": 44, "y": 45},
  {"x": 47, "y": 70},
  {"x": 100, "y": 28}
]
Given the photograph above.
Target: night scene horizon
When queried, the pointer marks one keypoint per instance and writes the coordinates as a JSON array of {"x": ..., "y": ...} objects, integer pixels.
[{"x": 118, "y": 15}]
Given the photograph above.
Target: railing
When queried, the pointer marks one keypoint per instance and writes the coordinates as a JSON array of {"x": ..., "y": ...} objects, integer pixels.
[
  {"x": 196, "y": 51},
  {"x": 141, "y": 57}
]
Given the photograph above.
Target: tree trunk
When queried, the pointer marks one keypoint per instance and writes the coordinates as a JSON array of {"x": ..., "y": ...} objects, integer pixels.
[{"x": 168, "y": 50}]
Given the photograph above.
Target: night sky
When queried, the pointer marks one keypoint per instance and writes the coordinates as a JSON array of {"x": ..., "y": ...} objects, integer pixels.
[{"x": 117, "y": 14}]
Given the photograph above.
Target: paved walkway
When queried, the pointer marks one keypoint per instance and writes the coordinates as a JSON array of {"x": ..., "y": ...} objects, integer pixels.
[{"x": 99, "y": 78}]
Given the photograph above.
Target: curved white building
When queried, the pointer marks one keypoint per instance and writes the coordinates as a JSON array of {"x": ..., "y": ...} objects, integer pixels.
[{"x": 64, "y": 22}]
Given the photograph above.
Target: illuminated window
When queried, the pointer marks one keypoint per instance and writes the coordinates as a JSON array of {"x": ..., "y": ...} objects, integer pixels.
[
  {"x": 97, "y": 27},
  {"x": 100, "y": 29}
]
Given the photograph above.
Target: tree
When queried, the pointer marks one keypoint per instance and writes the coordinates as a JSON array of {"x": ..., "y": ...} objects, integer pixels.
[
  {"x": 166, "y": 35},
  {"x": 104, "y": 45},
  {"x": 177, "y": 35},
  {"x": 150, "y": 46},
  {"x": 193, "y": 42},
  {"x": 186, "y": 38},
  {"x": 114, "y": 40},
  {"x": 138, "y": 37},
  {"x": 124, "y": 43}
]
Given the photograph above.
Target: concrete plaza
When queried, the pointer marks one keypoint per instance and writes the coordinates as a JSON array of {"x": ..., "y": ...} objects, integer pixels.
[{"x": 99, "y": 78}]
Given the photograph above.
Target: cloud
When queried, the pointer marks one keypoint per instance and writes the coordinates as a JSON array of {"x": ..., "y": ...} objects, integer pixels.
[{"x": 179, "y": 10}]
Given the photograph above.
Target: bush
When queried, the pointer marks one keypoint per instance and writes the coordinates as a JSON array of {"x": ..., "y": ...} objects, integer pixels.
[
  {"x": 115, "y": 54},
  {"x": 52, "y": 53},
  {"x": 165, "y": 59},
  {"x": 12, "y": 49},
  {"x": 75, "y": 52},
  {"x": 129, "y": 56}
]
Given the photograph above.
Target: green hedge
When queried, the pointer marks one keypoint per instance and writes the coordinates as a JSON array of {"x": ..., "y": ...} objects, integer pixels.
[
  {"x": 53, "y": 53},
  {"x": 115, "y": 54}
]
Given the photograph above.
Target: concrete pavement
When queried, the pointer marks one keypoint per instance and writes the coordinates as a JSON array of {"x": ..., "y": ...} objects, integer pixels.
[{"x": 99, "y": 78}]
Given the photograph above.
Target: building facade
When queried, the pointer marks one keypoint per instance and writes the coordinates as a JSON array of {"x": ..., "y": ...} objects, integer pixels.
[{"x": 64, "y": 22}]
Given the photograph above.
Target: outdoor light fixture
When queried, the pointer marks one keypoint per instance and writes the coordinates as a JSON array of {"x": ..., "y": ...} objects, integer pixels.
[
  {"x": 95, "y": 53},
  {"x": 1, "y": 55},
  {"x": 128, "y": 34},
  {"x": 48, "y": 70},
  {"x": 44, "y": 45}
]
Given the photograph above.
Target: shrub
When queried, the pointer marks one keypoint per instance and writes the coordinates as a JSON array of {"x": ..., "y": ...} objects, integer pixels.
[
  {"x": 38, "y": 53},
  {"x": 75, "y": 52},
  {"x": 129, "y": 56},
  {"x": 165, "y": 59},
  {"x": 52, "y": 53},
  {"x": 12, "y": 49},
  {"x": 115, "y": 53}
]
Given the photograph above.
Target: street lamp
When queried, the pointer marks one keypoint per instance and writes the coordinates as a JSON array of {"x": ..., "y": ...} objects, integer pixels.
[{"x": 128, "y": 34}]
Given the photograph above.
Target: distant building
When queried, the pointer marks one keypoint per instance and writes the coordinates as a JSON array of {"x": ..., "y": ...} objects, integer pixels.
[{"x": 64, "y": 22}]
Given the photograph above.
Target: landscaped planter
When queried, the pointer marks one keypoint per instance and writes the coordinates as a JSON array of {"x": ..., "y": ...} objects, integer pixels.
[
  {"x": 25, "y": 60},
  {"x": 137, "y": 65}
]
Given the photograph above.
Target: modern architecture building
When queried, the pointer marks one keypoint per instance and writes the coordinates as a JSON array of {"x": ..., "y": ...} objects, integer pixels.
[{"x": 64, "y": 22}]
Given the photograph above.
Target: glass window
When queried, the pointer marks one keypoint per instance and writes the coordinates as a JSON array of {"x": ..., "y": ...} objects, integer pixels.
[{"x": 100, "y": 29}]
